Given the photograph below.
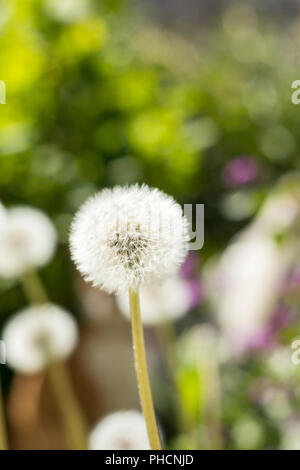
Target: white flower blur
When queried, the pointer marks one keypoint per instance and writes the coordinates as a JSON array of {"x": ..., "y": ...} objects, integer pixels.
[
  {"x": 37, "y": 335},
  {"x": 290, "y": 435},
  {"x": 27, "y": 239},
  {"x": 279, "y": 212},
  {"x": 127, "y": 237},
  {"x": 67, "y": 11},
  {"x": 243, "y": 285},
  {"x": 123, "y": 430},
  {"x": 161, "y": 302},
  {"x": 246, "y": 281}
]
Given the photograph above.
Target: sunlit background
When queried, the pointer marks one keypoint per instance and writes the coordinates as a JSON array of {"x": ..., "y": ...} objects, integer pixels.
[{"x": 193, "y": 98}]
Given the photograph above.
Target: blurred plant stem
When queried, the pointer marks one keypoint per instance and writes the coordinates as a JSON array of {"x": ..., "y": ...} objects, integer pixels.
[
  {"x": 3, "y": 436},
  {"x": 34, "y": 288},
  {"x": 73, "y": 420},
  {"x": 204, "y": 349},
  {"x": 142, "y": 371},
  {"x": 214, "y": 407},
  {"x": 167, "y": 339},
  {"x": 72, "y": 417}
]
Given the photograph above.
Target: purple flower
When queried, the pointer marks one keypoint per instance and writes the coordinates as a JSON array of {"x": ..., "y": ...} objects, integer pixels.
[
  {"x": 240, "y": 171},
  {"x": 188, "y": 272},
  {"x": 189, "y": 267},
  {"x": 195, "y": 292},
  {"x": 266, "y": 336},
  {"x": 293, "y": 280}
]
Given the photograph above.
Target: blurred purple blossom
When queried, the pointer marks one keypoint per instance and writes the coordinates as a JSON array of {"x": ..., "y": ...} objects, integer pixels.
[
  {"x": 239, "y": 171},
  {"x": 266, "y": 336},
  {"x": 283, "y": 315},
  {"x": 189, "y": 266},
  {"x": 195, "y": 291},
  {"x": 293, "y": 281},
  {"x": 188, "y": 272}
]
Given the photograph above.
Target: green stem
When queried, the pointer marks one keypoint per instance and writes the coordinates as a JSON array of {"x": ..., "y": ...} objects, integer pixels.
[
  {"x": 214, "y": 407},
  {"x": 33, "y": 288},
  {"x": 142, "y": 371},
  {"x": 72, "y": 418},
  {"x": 3, "y": 437}
]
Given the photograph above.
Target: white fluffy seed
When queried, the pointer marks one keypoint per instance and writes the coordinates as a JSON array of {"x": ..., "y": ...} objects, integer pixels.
[{"x": 127, "y": 237}]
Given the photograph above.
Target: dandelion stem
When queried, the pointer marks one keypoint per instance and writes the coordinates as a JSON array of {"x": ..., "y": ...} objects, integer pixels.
[
  {"x": 33, "y": 288},
  {"x": 142, "y": 371},
  {"x": 73, "y": 420},
  {"x": 3, "y": 437}
]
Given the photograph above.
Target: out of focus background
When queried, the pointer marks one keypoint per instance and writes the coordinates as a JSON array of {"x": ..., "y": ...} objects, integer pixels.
[{"x": 193, "y": 98}]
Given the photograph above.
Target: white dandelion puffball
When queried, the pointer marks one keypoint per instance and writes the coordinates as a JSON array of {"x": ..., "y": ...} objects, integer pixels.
[
  {"x": 161, "y": 302},
  {"x": 37, "y": 335},
  {"x": 123, "y": 430},
  {"x": 27, "y": 239},
  {"x": 127, "y": 237}
]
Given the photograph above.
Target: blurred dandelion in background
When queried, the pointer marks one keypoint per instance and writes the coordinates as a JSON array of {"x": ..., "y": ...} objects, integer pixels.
[
  {"x": 161, "y": 302},
  {"x": 39, "y": 335},
  {"x": 27, "y": 240},
  {"x": 123, "y": 430}
]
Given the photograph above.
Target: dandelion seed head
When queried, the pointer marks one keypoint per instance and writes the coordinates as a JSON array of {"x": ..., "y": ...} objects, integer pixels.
[
  {"x": 27, "y": 239},
  {"x": 123, "y": 430},
  {"x": 37, "y": 335},
  {"x": 126, "y": 237}
]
